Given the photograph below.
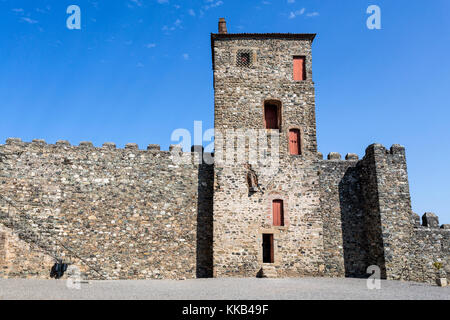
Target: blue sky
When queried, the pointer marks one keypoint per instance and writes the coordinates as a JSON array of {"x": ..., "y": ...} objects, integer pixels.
[{"x": 138, "y": 69}]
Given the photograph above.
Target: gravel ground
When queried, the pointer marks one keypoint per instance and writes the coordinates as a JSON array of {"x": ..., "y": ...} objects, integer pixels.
[{"x": 221, "y": 289}]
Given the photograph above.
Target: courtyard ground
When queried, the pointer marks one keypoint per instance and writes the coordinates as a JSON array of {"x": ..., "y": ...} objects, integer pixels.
[{"x": 221, "y": 289}]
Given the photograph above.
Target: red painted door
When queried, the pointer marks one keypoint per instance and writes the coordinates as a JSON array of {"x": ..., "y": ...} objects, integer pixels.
[
  {"x": 278, "y": 215},
  {"x": 299, "y": 66},
  {"x": 294, "y": 141},
  {"x": 271, "y": 116}
]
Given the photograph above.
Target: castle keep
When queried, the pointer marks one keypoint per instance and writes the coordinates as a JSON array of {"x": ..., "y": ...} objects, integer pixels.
[{"x": 141, "y": 214}]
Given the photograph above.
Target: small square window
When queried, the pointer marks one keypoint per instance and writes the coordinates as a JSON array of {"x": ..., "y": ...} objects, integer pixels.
[{"x": 244, "y": 58}]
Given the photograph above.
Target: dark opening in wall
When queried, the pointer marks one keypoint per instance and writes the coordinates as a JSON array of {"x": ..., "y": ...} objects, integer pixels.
[
  {"x": 268, "y": 256},
  {"x": 272, "y": 114},
  {"x": 205, "y": 220}
]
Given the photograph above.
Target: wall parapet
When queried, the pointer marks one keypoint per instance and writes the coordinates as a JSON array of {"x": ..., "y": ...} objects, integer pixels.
[
  {"x": 429, "y": 221},
  {"x": 152, "y": 205},
  {"x": 336, "y": 156},
  {"x": 396, "y": 149},
  {"x": 106, "y": 146}
]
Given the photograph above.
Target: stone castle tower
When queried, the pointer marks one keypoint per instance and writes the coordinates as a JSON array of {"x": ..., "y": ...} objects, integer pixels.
[
  {"x": 257, "y": 87},
  {"x": 268, "y": 205},
  {"x": 310, "y": 216}
]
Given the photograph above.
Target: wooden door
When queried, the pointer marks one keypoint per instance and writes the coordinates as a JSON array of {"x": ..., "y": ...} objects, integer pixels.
[
  {"x": 294, "y": 142},
  {"x": 278, "y": 214},
  {"x": 299, "y": 68}
]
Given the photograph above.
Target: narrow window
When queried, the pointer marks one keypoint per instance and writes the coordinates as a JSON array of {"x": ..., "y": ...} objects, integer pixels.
[
  {"x": 299, "y": 69},
  {"x": 271, "y": 116},
  {"x": 278, "y": 213},
  {"x": 294, "y": 142},
  {"x": 244, "y": 58},
  {"x": 268, "y": 248}
]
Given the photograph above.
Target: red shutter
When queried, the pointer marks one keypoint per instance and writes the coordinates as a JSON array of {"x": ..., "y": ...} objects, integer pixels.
[
  {"x": 299, "y": 68},
  {"x": 278, "y": 215},
  {"x": 294, "y": 142}
]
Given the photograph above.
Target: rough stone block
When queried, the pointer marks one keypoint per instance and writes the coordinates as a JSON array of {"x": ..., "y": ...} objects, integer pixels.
[
  {"x": 430, "y": 220},
  {"x": 39, "y": 142},
  {"x": 334, "y": 156},
  {"x": 415, "y": 219},
  {"x": 154, "y": 147},
  {"x": 375, "y": 148},
  {"x": 86, "y": 144},
  {"x": 175, "y": 148},
  {"x": 132, "y": 146},
  {"x": 11, "y": 141},
  {"x": 351, "y": 156},
  {"x": 109, "y": 145},
  {"x": 396, "y": 148},
  {"x": 63, "y": 143},
  {"x": 442, "y": 282}
]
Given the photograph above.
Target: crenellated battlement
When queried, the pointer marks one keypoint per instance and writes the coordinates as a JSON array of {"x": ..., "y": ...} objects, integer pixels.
[
  {"x": 428, "y": 248},
  {"x": 82, "y": 144},
  {"x": 429, "y": 221},
  {"x": 137, "y": 203},
  {"x": 107, "y": 146},
  {"x": 396, "y": 149},
  {"x": 336, "y": 156}
]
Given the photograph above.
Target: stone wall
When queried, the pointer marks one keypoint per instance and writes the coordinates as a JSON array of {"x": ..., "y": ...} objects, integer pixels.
[
  {"x": 345, "y": 239},
  {"x": 388, "y": 208},
  {"x": 19, "y": 259},
  {"x": 429, "y": 251},
  {"x": 242, "y": 217},
  {"x": 128, "y": 213},
  {"x": 368, "y": 219},
  {"x": 3, "y": 244}
]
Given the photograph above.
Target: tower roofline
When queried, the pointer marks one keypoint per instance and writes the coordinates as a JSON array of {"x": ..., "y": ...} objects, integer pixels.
[
  {"x": 298, "y": 36},
  {"x": 295, "y": 36}
]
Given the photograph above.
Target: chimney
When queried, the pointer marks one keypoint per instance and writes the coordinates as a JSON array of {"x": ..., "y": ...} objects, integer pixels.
[{"x": 222, "y": 26}]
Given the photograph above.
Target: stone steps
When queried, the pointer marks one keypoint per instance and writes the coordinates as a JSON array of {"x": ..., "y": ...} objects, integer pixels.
[
  {"x": 21, "y": 223},
  {"x": 269, "y": 271}
]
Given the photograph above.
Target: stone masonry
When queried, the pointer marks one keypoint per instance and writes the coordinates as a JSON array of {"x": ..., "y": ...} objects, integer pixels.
[
  {"x": 141, "y": 214},
  {"x": 121, "y": 211}
]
